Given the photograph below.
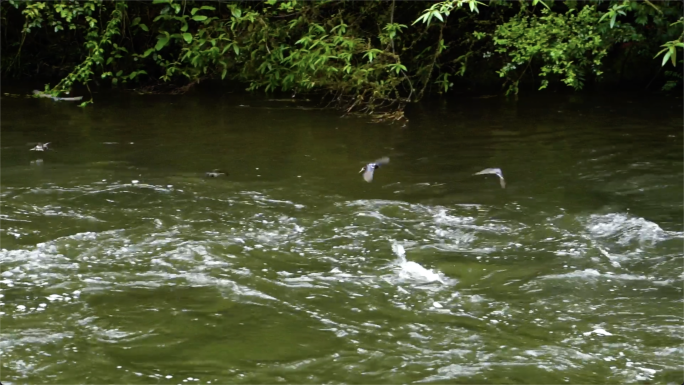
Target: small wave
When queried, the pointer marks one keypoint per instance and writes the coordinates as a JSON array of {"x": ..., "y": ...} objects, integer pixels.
[
  {"x": 627, "y": 229},
  {"x": 198, "y": 279},
  {"x": 409, "y": 271},
  {"x": 594, "y": 274}
]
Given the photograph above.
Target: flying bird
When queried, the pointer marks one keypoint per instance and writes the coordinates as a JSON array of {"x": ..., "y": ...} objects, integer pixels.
[
  {"x": 40, "y": 147},
  {"x": 370, "y": 168},
  {"x": 215, "y": 174},
  {"x": 494, "y": 171}
]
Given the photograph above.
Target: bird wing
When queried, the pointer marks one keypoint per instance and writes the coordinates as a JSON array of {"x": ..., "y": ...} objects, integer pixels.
[
  {"x": 494, "y": 171},
  {"x": 381, "y": 161}
]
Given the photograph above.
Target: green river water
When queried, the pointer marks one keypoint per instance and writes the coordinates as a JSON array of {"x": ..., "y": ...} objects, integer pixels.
[{"x": 122, "y": 263}]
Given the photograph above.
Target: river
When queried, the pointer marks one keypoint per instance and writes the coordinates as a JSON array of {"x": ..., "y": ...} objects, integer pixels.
[{"x": 122, "y": 263}]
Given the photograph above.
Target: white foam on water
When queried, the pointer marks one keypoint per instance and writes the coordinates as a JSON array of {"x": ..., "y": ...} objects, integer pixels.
[
  {"x": 340, "y": 259},
  {"x": 627, "y": 229},
  {"x": 599, "y": 332},
  {"x": 414, "y": 272},
  {"x": 442, "y": 217},
  {"x": 453, "y": 371},
  {"x": 593, "y": 274},
  {"x": 199, "y": 279}
]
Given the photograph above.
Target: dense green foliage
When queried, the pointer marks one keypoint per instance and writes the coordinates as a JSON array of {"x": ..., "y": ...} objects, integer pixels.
[{"x": 366, "y": 56}]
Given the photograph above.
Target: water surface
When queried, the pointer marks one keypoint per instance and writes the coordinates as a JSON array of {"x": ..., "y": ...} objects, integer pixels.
[{"x": 121, "y": 263}]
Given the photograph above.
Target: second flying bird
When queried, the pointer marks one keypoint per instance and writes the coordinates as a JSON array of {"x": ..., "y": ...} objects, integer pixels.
[{"x": 370, "y": 168}]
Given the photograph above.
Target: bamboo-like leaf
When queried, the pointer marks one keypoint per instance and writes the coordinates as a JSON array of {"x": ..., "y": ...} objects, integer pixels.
[
  {"x": 439, "y": 15},
  {"x": 542, "y": 3},
  {"x": 661, "y": 51},
  {"x": 420, "y": 18},
  {"x": 665, "y": 57}
]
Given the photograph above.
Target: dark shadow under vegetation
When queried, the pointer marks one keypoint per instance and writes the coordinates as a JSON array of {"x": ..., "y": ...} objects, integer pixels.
[{"x": 364, "y": 57}]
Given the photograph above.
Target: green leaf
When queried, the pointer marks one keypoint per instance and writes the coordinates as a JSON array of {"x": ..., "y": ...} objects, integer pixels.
[
  {"x": 666, "y": 56},
  {"x": 199, "y": 18},
  {"x": 542, "y": 3},
  {"x": 135, "y": 22},
  {"x": 119, "y": 73},
  {"x": 236, "y": 49},
  {"x": 161, "y": 42},
  {"x": 194, "y": 11},
  {"x": 187, "y": 37},
  {"x": 208, "y": 7},
  {"x": 148, "y": 52},
  {"x": 439, "y": 15},
  {"x": 661, "y": 51},
  {"x": 612, "y": 20},
  {"x": 144, "y": 28},
  {"x": 184, "y": 27},
  {"x": 427, "y": 17}
]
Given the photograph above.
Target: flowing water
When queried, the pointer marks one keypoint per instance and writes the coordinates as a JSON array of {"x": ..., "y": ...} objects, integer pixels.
[{"x": 122, "y": 263}]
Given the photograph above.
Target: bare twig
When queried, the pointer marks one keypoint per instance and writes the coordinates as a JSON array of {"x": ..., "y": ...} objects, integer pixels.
[
  {"x": 392, "y": 22},
  {"x": 654, "y": 7},
  {"x": 434, "y": 60}
]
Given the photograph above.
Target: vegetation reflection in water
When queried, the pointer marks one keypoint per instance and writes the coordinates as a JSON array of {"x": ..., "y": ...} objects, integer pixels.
[{"x": 123, "y": 263}]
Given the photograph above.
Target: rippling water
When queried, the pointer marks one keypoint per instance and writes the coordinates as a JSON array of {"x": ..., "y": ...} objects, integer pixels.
[{"x": 122, "y": 264}]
